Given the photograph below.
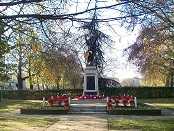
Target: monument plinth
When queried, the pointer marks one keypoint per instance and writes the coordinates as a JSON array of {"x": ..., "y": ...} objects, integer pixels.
[{"x": 90, "y": 81}]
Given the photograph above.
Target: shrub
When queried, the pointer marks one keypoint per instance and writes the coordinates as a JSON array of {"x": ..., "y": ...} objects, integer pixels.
[{"x": 139, "y": 92}]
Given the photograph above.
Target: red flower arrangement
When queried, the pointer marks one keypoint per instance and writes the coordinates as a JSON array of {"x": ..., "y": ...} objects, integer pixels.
[
  {"x": 90, "y": 97},
  {"x": 109, "y": 105},
  {"x": 116, "y": 101},
  {"x": 51, "y": 101},
  {"x": 66, "y": 105},
  {"x": 131, "y": 101},
  {"x": 125, "y": 100}
]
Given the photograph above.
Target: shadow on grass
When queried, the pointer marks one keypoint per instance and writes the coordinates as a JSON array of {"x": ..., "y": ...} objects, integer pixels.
[
  {"x": 167, "y": 103},
  {"x": 158, "y": 100},
  {"x": 10, "y": 105},
  {"x": 7, "y": 124},
  {"x": 144, "y": 125}
]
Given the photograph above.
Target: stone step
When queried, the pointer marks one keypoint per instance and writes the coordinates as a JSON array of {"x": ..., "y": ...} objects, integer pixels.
[
  {"x": 90, "y": 112},
  {"x": 87, "y": 107},
  {"x": 83, "y": 102},
  {"x": 87, "y": 110}
]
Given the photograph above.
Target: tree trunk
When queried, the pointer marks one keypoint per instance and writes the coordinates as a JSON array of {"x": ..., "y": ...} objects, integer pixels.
[
  {"x": 57, "y": 83},
  {"x": 167, "y": 81},
  {"x": 43, "y": 86},
  {"x": 172, "y": 73},
  {"x": 38, "y": 87},
  {"x": 47, "y": 87},
  {"x": 29, "y": 73},
  {"x": 20, "y": 79},
  {"x": 171, "y": 80},
  {"x": 31, "y": 86}
]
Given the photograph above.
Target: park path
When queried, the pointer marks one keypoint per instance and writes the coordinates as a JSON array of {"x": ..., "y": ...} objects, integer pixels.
[{"x": 83, "y": 115}]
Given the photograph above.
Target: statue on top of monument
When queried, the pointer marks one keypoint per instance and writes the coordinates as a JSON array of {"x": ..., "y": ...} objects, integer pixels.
[{"x": 89, "y": 57}]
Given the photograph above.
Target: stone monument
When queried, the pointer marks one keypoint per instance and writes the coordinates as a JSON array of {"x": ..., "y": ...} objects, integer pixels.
[
  {"x": 90, "y": 81},
  {"x": 90, "y": 75}
]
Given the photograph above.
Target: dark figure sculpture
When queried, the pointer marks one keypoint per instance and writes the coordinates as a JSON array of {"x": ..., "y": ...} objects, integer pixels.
[{"x": 89, "y": 57}]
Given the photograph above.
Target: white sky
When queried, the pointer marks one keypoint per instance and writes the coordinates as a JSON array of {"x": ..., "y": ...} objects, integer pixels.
[
  {"x": 120, "y": 69},
  {"x": 124, "y": 68}
]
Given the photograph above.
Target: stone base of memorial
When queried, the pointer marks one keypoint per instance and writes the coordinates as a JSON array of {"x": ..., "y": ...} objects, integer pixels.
[
  {"x": 46, "y": 111},
  {"x": 156, "y": 112},
  {"x": 140, "y": 110}
]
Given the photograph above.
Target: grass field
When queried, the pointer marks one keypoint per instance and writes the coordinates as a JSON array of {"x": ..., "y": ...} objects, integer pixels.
[
  {"x": 143, "y": 125},
  {"x": 10, "y": 105},
  {"x": 162, "y": 102},
  {"x": 11, "y": 123},
  {"x": 147, "y": 125}
]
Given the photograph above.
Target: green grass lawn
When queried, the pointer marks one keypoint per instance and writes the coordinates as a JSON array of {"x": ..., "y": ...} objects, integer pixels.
[
  {"x": 143, "y": 125},
  {"x": 147, "y": 125},
  {"x": 10, "y": 105},
  {"x": 161, "y": 102},
  {"x": 10, "y": 123}
]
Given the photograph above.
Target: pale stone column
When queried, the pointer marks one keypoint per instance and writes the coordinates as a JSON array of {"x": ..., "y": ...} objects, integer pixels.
[{"x": 89, "y": 74}]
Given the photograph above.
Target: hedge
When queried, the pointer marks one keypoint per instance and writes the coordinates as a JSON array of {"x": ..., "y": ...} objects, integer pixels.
[
  {"x": 38, "y": 94},
  {"x": 150, "y": 92},
  {"x": 139, "y": 92}
]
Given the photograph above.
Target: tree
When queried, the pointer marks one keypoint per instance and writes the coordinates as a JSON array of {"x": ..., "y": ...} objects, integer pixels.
[
  {"x": 94, "y": 40},
  {"x": 153, "y": 54},
  {"x": 39, "y": 15},
  {"x": 56, "y": 67},
  {"x": 22, "y": 54},
  {"x": 3, "y": 50},
  {"x": 153, "y": 50}
]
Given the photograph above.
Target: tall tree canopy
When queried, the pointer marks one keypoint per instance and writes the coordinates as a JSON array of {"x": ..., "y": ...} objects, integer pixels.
[
  {"x": 49, "y": 18},
  {"x": 153, "y": 51},
  {"x": 3, "y": 50}
]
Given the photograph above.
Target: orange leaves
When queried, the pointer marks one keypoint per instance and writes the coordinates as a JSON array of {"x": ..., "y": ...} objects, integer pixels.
[
  {"x": 86, "y": 56},
  {"x": 39, "y": 48},
  {"x": 36, "y": 48}
]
